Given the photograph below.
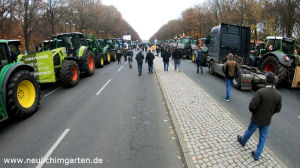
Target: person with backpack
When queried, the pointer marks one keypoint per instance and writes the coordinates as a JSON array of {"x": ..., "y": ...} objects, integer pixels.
[
  {"x": 149, "y": 58},
  {"x": 119, "y": 55},
  {"x": 200, "y": 60},
  {"x": 129, "y": 54},
  {"x": 265, "y": 103},
  {"x": 139, "y": 59},
  {"x": 230, "y": 68},
  {"x": 176, "y": 56}
]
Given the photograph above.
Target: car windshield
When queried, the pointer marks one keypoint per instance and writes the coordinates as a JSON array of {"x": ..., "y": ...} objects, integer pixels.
[{"x": 288, "y": 47}]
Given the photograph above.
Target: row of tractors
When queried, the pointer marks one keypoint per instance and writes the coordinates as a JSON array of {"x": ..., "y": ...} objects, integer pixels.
[
  {"x": 63, "y": 59},
  {"x": 275, "y": 54}
]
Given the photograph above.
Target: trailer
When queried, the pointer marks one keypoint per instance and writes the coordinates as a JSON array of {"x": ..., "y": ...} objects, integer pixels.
[{"x": 224, "y": 39}]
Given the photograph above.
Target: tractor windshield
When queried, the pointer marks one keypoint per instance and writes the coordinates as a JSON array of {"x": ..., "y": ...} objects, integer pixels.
[
  {"x": 3, "y": 54},
  {"x": 187, "y": 41},
  {"x": 288, "y": 47}
]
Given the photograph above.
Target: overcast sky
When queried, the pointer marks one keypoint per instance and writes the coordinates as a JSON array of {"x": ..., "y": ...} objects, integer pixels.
[{"x": 147, "y": 16}]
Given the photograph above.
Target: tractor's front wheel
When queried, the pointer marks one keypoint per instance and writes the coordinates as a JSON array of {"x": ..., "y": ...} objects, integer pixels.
[
  {"x": 271, "y": 64},
  {"x": 23, "y": 95},
  {"x": 69, "y": 73},
  {"x": 108, "y": 58},
  {"x": 99, "y": 61},
  {"x": 88, "y": 66}
]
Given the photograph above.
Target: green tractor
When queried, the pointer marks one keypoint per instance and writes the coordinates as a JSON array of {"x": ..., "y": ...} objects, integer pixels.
[
  {"x": 279, "y": 57},
  {"x": 185, "y": 46},
  {"x": 82, "y": 54},
  {"x": 113, "y": 47},
  {"x": 50, "y": 66},
  {"x": 104, "y": 50},
  {"x": 92, "y": 42},
  {"x": 20, "y": 91}
]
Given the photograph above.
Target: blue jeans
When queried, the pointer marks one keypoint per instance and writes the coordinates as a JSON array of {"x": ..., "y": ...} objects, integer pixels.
[
  {"x": 150, "y": 67},
  {"x": 228, "y": 87},
  {"x": 140, "y": 68},
  {"x": 177, "y": 64},
  {"x": 166, "y": 66},
  {"x": 199, "y": 66},
  {"x": 263, "y": 133}
]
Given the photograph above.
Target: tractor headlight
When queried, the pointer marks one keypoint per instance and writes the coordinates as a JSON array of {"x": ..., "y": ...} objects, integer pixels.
[
  {"x": 286, "y": 58},
  {"x": 64, "y": 51}
]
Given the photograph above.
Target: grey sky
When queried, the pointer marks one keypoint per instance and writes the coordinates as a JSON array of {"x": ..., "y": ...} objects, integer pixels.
[{"x": 146, "y": 17}]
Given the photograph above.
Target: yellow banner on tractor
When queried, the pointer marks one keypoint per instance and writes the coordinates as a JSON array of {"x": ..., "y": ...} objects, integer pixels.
[{"x": 43, "y": 66}]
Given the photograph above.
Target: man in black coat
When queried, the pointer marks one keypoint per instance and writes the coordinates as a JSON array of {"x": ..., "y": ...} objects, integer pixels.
[
  {"x": 265, "y": 103},
  {"x": 177, "y": 55},
  {"x": 149, "y": 58},
  {"x": 165, "y": 54},
  {"x": 139, "y": 58},
  {"x": 200, "y": 60}
]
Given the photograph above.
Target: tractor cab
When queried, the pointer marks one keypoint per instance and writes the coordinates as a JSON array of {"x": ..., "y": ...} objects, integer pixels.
[
  {"x": 14, "y": 48},
  {"x": 280, "y": 44},
  {"x": 5, "y": 54}
]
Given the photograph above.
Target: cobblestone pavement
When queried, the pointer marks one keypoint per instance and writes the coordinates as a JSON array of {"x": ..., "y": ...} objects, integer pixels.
[{"x": 209, "y": 131}]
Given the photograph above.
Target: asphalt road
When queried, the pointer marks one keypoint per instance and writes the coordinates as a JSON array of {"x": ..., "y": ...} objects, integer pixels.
[
  {"x": 125, "y": 125},
  {"x": 284, "y": 134}
]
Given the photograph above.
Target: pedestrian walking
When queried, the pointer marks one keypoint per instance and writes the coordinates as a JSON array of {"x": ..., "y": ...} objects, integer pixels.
[
  {"x": 176, "y": 56},
  {"x": 149, "y": 58},
  {"x": 230, "y": 68},
  {"x": 165, "y": 54},
  {"x": 125, "y": 56},
  {"x": 200, "y": 60},
  {"x": 119, "y": 55},
  {"x": 264, "y": 104},
  {"x": 129, "y": 54},
  {"x": 153, "y": 48},
  {"x": 157, "y": 50},
  {"x": 139, "y": 58}
]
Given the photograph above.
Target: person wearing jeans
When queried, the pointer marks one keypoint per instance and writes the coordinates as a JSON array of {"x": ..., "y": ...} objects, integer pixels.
[
  {"x": 165, "y": 54},
  {"x": 230, "y": 68},
  {"x": 149, "y": 58},
  {"x": 177, "y": 55},
  {"x": 265, "y": 103},
  {"x": 139, "y": 58}
]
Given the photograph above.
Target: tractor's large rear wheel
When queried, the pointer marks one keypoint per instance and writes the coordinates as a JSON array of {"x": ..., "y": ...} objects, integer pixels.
[
  {"x": 88, "y": 66},
  {"x": 99, "y": 61},
  {"x": 23, "y": 95},
  {"x": 271, "y": 64},
  {"x": 69, "y": 73}
]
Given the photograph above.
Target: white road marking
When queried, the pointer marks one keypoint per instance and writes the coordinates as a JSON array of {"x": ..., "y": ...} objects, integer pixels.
[
  {"x": 120, "y": 68},
  {"x": 51, "y": 92},
  {"x": 103, "y": 87},
  {"x": 299, "y": 117},
  {"x": 45, "y": 158}
]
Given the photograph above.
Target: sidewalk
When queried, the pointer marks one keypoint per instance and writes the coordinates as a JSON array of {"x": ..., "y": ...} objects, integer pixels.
[{"x": 207, "y": 132}]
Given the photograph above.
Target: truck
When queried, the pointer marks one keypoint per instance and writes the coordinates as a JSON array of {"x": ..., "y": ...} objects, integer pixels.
[
  {"x": 224, "y": 39},
  {"x": 20, "y": 91}
]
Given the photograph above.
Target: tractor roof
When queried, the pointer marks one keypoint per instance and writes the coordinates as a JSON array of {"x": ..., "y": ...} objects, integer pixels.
[
  {"x": 281, "y": 38},
  {"x": 14, "y": 41},
  {"x": 3, "y": 41}
]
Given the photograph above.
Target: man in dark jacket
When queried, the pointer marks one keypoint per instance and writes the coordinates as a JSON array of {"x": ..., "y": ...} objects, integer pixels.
[
  {"x": 265, "y": 103},
  {"x": 149, "y": 58},
  {"x": 139, "y": 58},
  {"x": 200, "y": 60},
  {"x": 129, "y": 54},
  {"x": 177, "y": 55},
  {"x": 165, "y": 54}
]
